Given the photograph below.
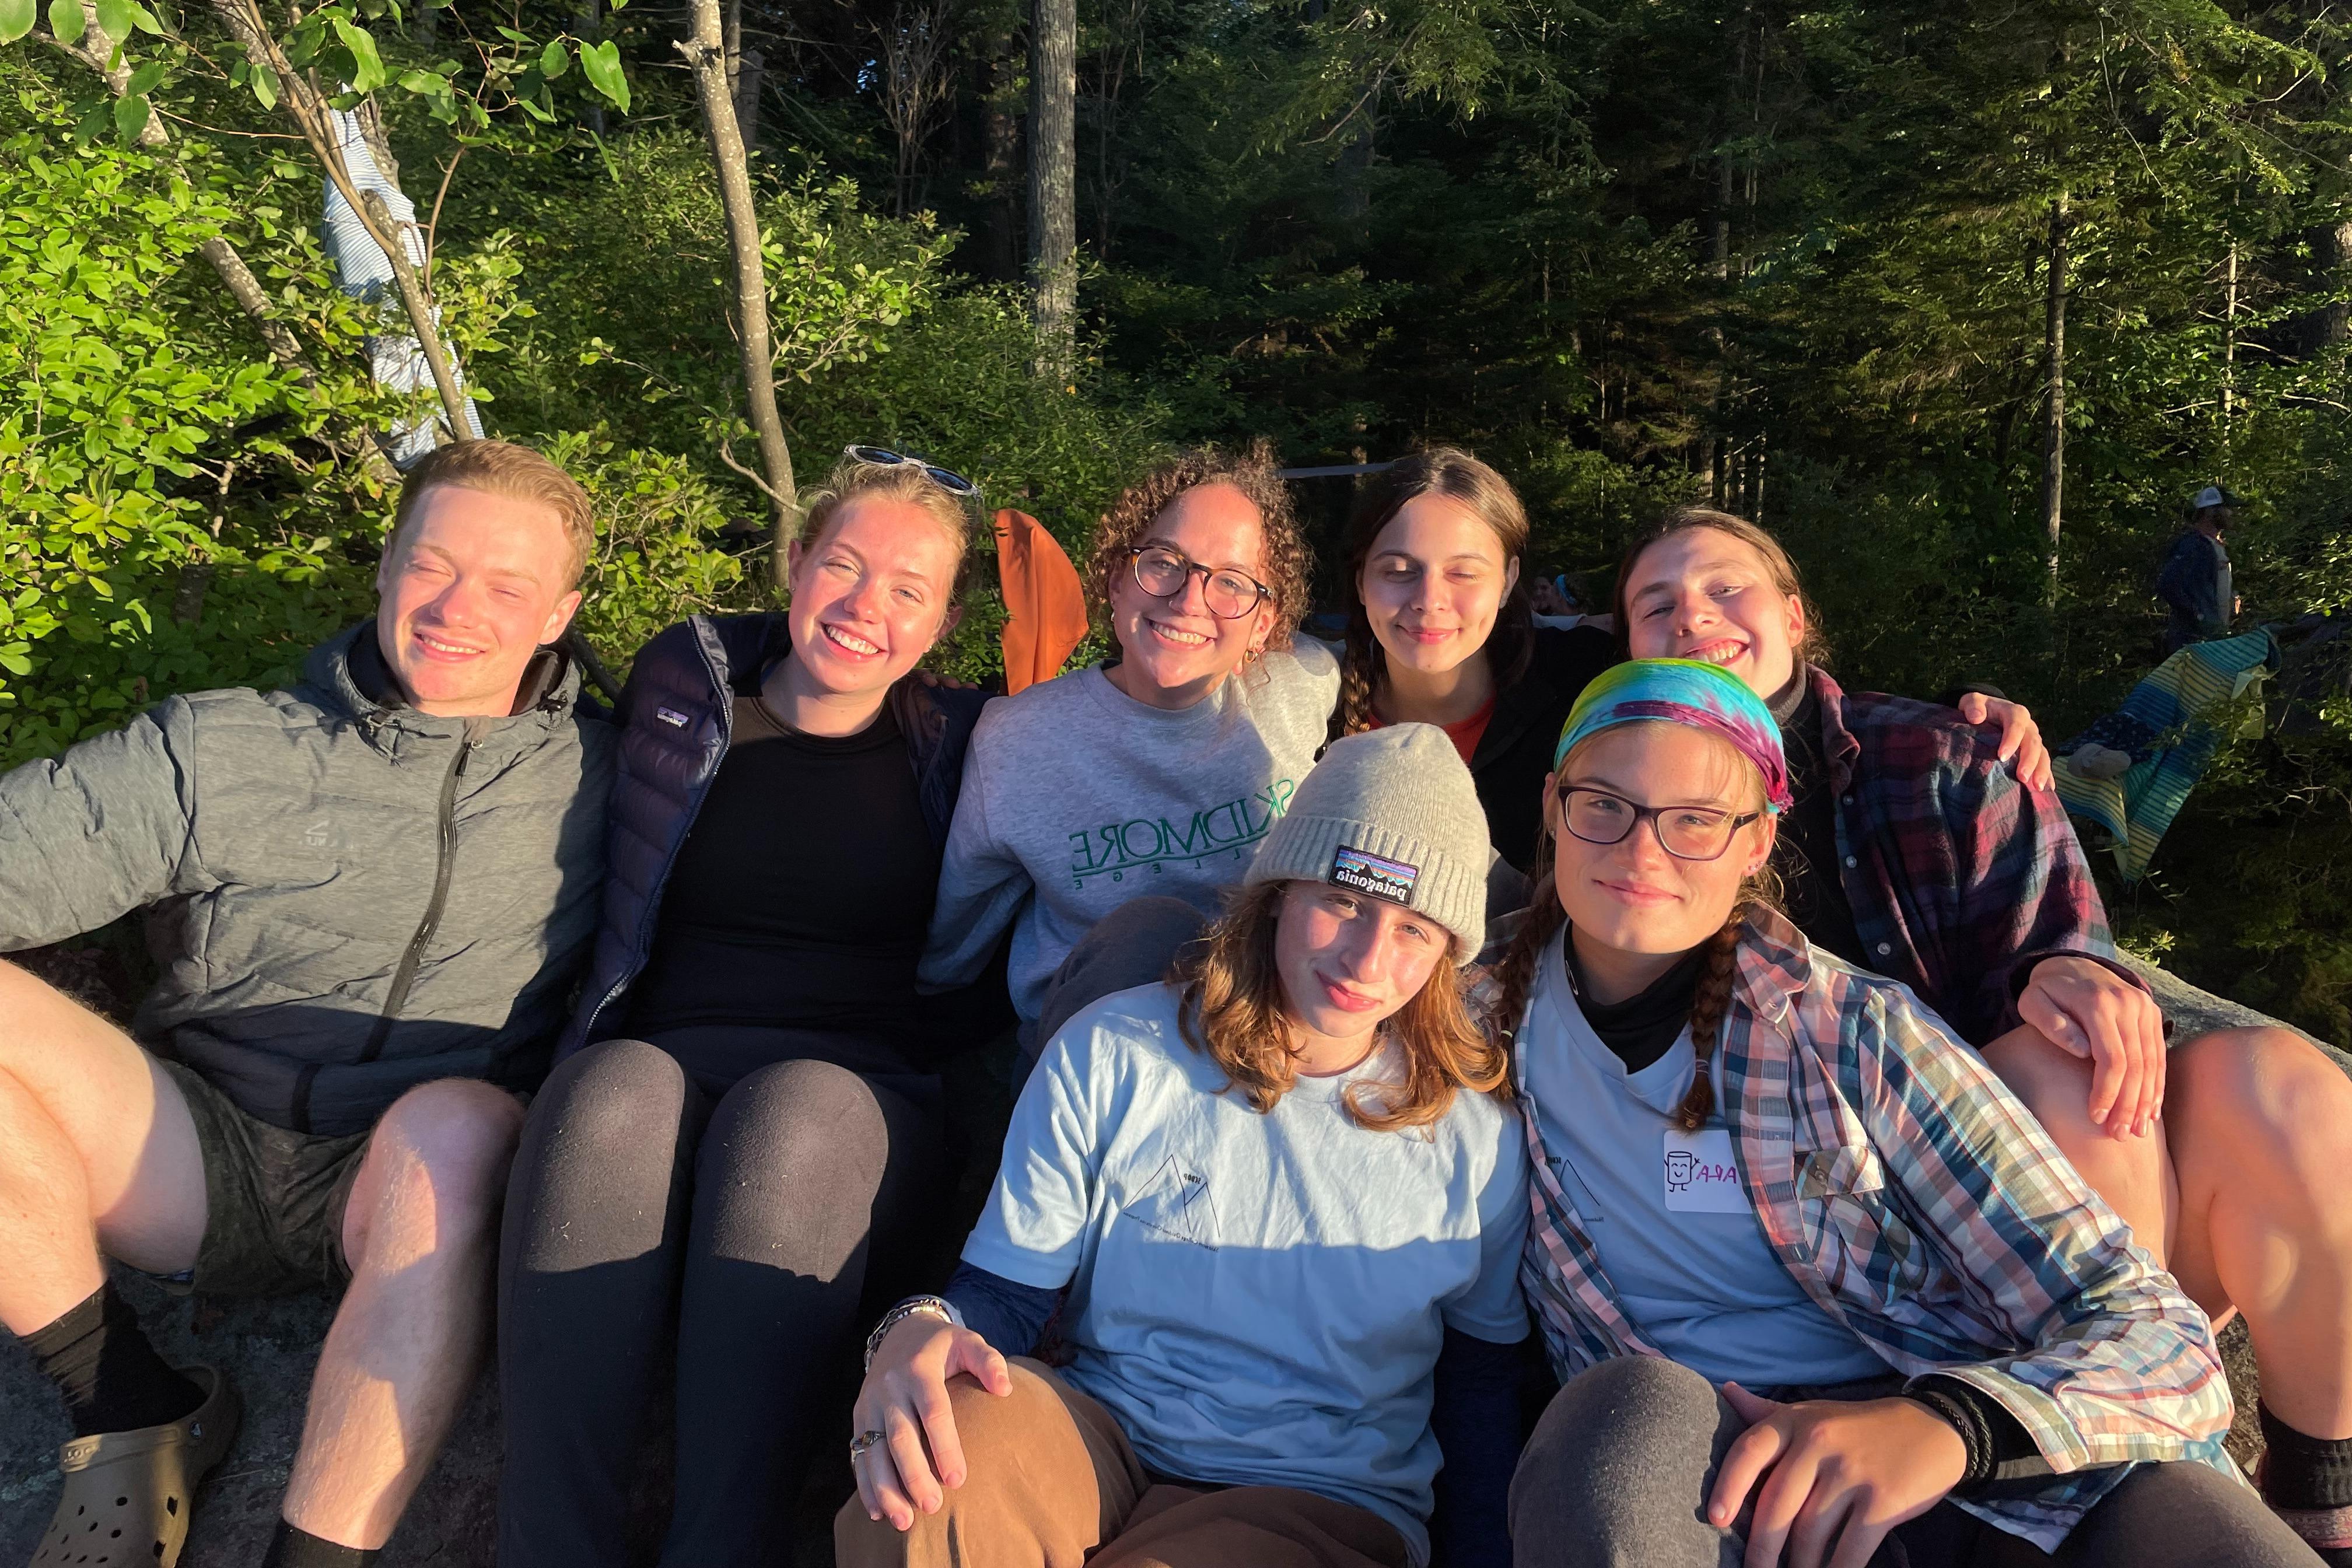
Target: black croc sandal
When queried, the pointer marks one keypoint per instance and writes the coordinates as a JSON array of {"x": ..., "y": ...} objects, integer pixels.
[{"x": 128, "y": 1493}]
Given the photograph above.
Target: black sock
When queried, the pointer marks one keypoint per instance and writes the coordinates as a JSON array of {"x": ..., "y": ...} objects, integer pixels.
[
  {"x": 2307, "y": 1481},
  {"x": 106, "y": 1370},
  {"x": 292, "y": 1548}
]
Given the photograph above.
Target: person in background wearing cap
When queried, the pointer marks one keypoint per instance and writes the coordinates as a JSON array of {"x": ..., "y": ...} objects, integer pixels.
[
  {"x": 1811, "y": 1276},
  {"x": 2195, "y": 580},
  {"x": 1288, "y": 1207}
]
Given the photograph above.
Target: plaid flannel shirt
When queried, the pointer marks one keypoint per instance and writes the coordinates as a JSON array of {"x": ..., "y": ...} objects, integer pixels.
[
  {"x": 1961, "y": 879},
  {"x": 1923, "y": 1206}
]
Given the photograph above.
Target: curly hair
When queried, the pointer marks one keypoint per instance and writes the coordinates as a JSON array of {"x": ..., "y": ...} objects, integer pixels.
[
  {"x": 1232, "y": 1011},
  {"x": 1812, "y": 649},
  {"x": 1287, "y": 565},
  {"x": 1446, "y": 471},
  {"x": 1514, "y": 976}
]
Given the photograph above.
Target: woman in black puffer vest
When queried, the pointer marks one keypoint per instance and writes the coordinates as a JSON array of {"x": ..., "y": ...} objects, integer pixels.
[{"x": 745, "y": 1115}]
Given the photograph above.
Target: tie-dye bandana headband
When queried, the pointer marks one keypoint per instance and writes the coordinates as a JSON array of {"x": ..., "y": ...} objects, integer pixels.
[{"x": 1683, "y": 691}]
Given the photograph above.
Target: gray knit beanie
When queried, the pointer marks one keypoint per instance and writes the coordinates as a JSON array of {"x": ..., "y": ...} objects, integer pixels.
[{"x": 1391, "y": 812}]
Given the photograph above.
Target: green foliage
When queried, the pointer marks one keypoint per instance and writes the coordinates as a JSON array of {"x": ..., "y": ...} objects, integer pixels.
[
  {"x": 130, "y": 433},
  {"x": 1637, "y": 252}
]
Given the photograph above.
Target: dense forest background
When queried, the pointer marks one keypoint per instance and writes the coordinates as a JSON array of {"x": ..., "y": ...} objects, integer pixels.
[{"x": 1964, "y": 300}]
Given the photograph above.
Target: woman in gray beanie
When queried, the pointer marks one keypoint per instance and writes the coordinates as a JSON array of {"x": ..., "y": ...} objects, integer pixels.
[{"x": 1275, "y": 1188}]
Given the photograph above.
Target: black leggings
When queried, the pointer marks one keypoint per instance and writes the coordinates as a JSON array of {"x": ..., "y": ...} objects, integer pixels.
[
  {"x": 1617, "y": 1474},
  {"x": 640, "y": 1215}
]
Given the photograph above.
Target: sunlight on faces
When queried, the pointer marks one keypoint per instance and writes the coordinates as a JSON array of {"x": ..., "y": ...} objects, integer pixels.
[
  {"x": 1702, "y": 593},
  {"x": 1632, "y": 895},
  {"x": 1348, "y": 961},
  {"x": 472, "y": 587},
  {"x": 870, "y": 595},
  {"x": 1433, "y": 582},
  {"x": 1174, "y": 652}
]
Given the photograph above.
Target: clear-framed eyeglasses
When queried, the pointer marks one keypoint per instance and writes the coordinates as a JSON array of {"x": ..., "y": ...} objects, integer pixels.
[
  {"x": 1685, "y": 832},
  {"x": 948, "y": 480},
  {"x": 1162, "y": 573}
]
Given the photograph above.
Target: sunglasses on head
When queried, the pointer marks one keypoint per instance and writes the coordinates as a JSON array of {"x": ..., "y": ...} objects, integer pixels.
[{"x": 948, "y": 480}]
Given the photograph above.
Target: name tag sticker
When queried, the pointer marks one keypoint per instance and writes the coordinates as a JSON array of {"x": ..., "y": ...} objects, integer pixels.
[
  {"x": 1390, "y": 880},
  {"x": 1699, "y": 1174}
]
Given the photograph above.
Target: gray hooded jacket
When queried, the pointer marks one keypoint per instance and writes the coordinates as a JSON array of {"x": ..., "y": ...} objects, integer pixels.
[{"x": 347, "y": 896}]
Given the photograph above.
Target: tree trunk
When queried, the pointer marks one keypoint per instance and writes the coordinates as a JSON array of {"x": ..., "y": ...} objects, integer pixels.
[
  {"x": 731, "y": 34},
  {"x": 1355, "y": 180},
  {"x": 2336, "y": 322},
  {"x": 751, "y": 76},
  {"x": 2229, "y": 348},
  {"x": 2054, "y": 408},
  {"x": 111, "y": 67},
  {"x": 1001, "y": 158},
  {"x": 706, "y": 53},
  {"x": 1053, "y": 182},
  {"x": 1715, "y": 444},
  {"x": 246, "y": 290},
  {"x": 419, "y": 307},
  {"x": 302, "y": 102}
]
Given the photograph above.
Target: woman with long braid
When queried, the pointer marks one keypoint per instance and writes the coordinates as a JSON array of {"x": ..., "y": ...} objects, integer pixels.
[
  {"x": 1760, "y": 1171},
  {"x": 1909, "y": 851}
]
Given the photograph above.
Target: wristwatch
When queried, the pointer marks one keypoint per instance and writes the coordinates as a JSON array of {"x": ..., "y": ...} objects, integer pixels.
[{"x": 938, "y": 1306}]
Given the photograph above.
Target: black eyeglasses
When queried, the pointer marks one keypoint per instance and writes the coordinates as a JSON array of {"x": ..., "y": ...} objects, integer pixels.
[
  {"x": 1162, "y": 573},
  {"x": 1685, "y": 832},
  {"x": 948, "y": 480}
]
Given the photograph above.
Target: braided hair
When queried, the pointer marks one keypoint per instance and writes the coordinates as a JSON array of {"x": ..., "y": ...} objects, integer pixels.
[
  {"x": 1513, "y": 978},
  {"x": 1449, "y": 471}
]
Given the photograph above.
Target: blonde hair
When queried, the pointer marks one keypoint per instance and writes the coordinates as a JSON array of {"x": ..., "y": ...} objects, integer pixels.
[
  {"x": 1287, "y": 564},
  {"x": 1233, "y": 1010},
  {"x": 1812, "y": 649},
  {"x": 1514, "y": 975},
  {"x": 1452, "y": 472},
  {"x": 855, "y": 479},
  {"x": 516, "y": 473}
]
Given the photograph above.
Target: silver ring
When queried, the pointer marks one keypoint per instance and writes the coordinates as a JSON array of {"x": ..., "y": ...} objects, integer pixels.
[{"x": 864, "y": 1441}]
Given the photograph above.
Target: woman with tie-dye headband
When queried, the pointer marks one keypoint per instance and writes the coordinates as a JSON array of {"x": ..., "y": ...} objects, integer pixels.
[
  {"x": 1911, "y": 851},
  {"x": 1811, "y": 1276}
]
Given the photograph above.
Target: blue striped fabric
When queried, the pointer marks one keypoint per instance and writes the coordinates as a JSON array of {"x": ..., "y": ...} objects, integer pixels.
[{"x": 2174, "y": 708}]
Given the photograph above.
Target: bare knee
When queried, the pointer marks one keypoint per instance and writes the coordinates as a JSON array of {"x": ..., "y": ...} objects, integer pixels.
[
  {"x": 2264, "y": 1106},
  {"x": 438, "y": 1159}
]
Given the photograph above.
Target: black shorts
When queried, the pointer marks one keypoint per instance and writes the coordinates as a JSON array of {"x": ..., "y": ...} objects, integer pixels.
[{"x": 274, "y": 1200}]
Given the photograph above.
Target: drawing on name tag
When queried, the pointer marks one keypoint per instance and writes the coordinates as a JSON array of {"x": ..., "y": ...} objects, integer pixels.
[{"x": 1700, "y": 1174}]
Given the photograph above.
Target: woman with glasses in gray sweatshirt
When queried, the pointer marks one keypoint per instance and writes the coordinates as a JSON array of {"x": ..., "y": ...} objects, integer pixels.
[{"x": 1157, "y": 772}]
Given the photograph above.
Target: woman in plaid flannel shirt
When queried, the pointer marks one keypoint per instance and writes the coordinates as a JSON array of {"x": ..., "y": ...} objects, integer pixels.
[
  {"x": 1912, "y": 852},
  {"x": 1834, "y": 1175}
]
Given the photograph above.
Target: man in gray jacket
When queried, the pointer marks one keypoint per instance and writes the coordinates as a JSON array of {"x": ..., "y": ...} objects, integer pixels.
[{"x": 369, "y": 896}]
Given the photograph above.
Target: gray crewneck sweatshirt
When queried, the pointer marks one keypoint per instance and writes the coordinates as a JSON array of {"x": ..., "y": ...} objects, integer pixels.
[{"x": 1077, "y": 798}]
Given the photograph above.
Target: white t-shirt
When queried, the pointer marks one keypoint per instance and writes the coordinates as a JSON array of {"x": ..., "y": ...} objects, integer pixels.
[
  {"x": 1259, "y": 1299},
  {"x": 1077, "y": 798}
]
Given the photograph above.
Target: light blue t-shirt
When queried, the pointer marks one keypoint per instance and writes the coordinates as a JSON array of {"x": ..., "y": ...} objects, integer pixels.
[
  {"x": 1678, "y": 1236},
  {"x": 1258, "y": 1298}
]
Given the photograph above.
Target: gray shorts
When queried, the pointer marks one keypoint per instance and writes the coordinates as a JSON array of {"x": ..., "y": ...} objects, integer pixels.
[{"x": 274, "y": 1200}]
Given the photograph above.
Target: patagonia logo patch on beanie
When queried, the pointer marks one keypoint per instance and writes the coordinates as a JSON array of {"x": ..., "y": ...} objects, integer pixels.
[{"x": 1374, "y": 874}]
